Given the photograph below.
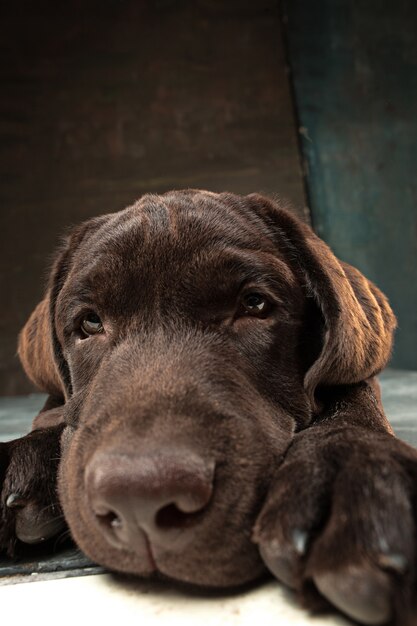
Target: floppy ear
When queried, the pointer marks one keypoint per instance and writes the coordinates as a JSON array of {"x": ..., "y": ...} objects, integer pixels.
[
  {"x": 36, "y": 353},
  {"x": 359, "y": 322},
  {"x": 38, "y": 347}
]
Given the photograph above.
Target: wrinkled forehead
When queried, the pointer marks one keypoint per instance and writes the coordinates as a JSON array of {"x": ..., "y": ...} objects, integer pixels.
[
  {"x": 181, "y": 221},
  {"x": 174, "y": 236}
]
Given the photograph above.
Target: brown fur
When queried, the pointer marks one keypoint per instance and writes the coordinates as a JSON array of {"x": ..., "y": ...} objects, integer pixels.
[
  {"x": 275, "y": 423},
  {"x": 36, "y": 351}
]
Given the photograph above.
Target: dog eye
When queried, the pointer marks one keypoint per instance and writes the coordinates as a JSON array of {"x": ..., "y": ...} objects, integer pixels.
[
  {"x": 91, "y": 324},
  {"x": 255, "y": 304}
]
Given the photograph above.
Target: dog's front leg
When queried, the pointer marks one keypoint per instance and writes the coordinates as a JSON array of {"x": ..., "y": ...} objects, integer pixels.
[
  {"x": 29, "y": 507},
  {"x": 339, "y": 521}
]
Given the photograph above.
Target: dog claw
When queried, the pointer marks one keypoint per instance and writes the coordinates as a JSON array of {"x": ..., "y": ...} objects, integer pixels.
[
  {"x": 15, "y": 501},
  {"x": 284, "y": 560},
  {"x": 300, "y": 538},
  {"x": 398, "y": 563}
]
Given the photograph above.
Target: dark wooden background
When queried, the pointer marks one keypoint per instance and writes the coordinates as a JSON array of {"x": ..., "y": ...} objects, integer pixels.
[{"x": 103, "y": 101}]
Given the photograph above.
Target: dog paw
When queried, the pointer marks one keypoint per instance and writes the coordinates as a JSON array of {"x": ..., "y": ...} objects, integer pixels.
[
  {"x": 29, "y": 507},
  {"x": 339, "y": 523}
]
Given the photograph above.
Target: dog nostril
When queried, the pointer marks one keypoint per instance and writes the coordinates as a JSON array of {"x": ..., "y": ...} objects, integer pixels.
[
  {"x": 171, "y": 516},
  {"x": 110, "y": 519}
]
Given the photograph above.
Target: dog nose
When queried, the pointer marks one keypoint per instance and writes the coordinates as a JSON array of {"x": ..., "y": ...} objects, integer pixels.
[{"x": 158, "y": 493}]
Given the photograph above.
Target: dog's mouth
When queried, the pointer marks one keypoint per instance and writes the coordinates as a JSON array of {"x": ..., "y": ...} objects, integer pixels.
[{"x": 210, "y": 547}]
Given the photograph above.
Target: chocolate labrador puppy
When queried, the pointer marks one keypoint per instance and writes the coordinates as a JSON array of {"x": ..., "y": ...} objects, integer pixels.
[{"x": 213, "y": 409}]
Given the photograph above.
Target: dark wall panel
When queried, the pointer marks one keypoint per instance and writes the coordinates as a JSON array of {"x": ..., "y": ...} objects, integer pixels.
[{"x": 355, "y": 76}]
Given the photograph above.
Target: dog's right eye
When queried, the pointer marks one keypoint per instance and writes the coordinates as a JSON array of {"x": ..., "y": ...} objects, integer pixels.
[
  {"x": 254, "y": 304},
  {"x": 91, "y": 325}
]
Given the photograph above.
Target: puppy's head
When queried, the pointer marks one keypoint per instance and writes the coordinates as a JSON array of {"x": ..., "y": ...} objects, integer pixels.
[{"x": 189, "y": 335}]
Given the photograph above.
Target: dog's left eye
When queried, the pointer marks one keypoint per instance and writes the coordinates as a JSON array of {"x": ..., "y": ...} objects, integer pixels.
[
  {"x": 255, "y": 304},
  {"x": 91, "y": 324}
]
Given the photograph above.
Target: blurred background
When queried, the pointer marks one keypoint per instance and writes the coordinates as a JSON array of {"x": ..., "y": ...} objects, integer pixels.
[{"x": 315, "y": 102}]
